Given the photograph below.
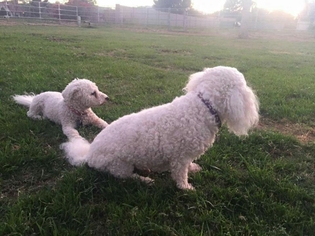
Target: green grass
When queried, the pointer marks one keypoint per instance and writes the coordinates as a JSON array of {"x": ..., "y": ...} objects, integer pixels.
[{"x": 261, "y": 185}]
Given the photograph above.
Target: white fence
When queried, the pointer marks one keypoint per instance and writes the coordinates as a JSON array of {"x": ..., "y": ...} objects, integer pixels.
[
  {"x": 164, "y": 17},
  {"x": 120, "y": 15},
  {"x": 132, "y": 16},
  {"x": 48, "y": 11}
]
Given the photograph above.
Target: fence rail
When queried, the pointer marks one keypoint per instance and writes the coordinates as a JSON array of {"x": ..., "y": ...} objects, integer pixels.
[{"x": 123, "y": 15}]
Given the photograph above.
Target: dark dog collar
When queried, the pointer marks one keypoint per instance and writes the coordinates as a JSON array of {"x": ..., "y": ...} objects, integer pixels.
[
  {"x": 78, "y": 113},
  {"x": 211, "y": 109}
]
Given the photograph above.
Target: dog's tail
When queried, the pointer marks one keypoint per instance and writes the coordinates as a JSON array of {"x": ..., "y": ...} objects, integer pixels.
[
  {"x": 76, "y": 151},
  {"x": 24, "y": 100}
]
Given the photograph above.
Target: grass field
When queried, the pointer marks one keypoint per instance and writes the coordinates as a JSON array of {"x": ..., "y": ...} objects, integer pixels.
[{"x": 261, "y": 185}]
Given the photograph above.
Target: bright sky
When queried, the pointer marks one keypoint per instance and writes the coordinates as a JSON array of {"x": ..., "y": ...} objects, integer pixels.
[{"x": 290, "y": 6}]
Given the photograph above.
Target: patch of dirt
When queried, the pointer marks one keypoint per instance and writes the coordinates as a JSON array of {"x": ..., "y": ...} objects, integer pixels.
[
  {"x": 23, "y": 21},
  {"x": 285, "y": 53},
  {"x": 285, "y": 35},
  {"x": 8, "y": 22},
  {"x": 27, "y": 184},
  {"x": 167, "y": 51},
  {"x": 113, "y": 53},
  {"x": 60, "y": 40},
  {"x": 305, "y": 134}
]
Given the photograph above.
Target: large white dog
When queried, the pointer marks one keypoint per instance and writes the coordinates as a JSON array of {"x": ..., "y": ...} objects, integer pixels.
[
  {"x": 69, "y": 108},
  {"x": 171, "y": 136}
]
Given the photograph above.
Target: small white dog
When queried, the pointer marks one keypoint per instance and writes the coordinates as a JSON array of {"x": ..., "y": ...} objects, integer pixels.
[
  {"x": 69, "y": 108},
  {"x": 171, "y": 136}
]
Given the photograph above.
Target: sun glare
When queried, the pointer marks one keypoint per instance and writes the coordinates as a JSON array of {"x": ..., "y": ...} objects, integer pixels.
[
  {"x": 207, "y": 6},
  {"x": 293, "y": 7}
]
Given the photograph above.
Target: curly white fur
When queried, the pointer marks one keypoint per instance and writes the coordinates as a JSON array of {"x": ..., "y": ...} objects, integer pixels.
[
  {"x": 171, "y": 136},
  {"x": 68, "y": 108}
]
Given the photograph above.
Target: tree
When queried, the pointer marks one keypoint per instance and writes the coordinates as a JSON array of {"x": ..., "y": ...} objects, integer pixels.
[
  {"x": 233, "y": 5},
  {"x": 178, "y": 6},
  {"x": 308, "y": 14},
  {"x": 244, "y": 7},
  {"x": 245, "y": 23}
]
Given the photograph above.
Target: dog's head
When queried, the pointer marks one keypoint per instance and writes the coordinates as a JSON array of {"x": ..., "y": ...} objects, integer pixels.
[
  {"x": 84, "y": 94},
  {"x": 226, "y": 88}
]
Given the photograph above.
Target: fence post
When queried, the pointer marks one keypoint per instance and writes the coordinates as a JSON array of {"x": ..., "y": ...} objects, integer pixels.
[
  {"x": 39, "y": 11},
  {"x": 6, "y": 7},
  {"x": 169, "y": 19},
  {"x": 184, "y": 20},
  {"x": 147, "y": 17},
  {"x": 122, "y": 16},
  {"x": 133, "y": 19},
  {"x": 118, "y": 14},
  {"x": 98, "y": 14},
  {"x": 256, "y": 18},
  {"x": 219, "y": 19},
  {"x": 59, "y": 12},
  {"x": 79, "y": 20}
]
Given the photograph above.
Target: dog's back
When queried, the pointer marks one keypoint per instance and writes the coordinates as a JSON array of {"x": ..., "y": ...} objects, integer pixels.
[{"x": 47, "y": 105}]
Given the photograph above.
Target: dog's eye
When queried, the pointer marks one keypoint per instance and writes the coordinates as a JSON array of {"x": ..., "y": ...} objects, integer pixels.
[{"x": 94, "y": 94}]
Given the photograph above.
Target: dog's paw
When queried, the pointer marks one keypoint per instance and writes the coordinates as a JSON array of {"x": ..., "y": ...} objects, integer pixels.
[
  {"x": 147, "y": 180},
  {"x": 186, "y": 187},
  {"x": 35, "y": 117},
  {"x": 104, "y": 125},
  {"x": 193, "y": 168},
  {"x": 75, "y": 137}
]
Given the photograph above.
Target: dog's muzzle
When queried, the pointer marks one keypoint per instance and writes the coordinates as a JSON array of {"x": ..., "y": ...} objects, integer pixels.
[{"x": 106, "y": 99}]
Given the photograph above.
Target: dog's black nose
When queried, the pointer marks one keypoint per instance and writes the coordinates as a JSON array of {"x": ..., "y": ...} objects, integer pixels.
[{"x": 107, "y": 98}]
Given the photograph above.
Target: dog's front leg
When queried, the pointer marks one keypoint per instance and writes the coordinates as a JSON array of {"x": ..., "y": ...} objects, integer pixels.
[
  {"x": 70, "y": 132},
  {"x": 93, "y": 119},
  {"x": 179, "y": 173}
]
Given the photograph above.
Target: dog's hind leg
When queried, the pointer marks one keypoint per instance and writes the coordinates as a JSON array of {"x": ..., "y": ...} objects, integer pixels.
[
  {"x": 35, "y": 111},
  {"x": 193, "y": 168},
  {"x": 146, "y": 180},
  {"x": 124, "y": 170}
]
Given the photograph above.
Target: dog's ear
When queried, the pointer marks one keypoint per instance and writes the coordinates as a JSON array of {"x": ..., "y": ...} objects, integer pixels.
[
  {"x": 242, "y": 113},
  {"x": 70, "y": 93}
]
